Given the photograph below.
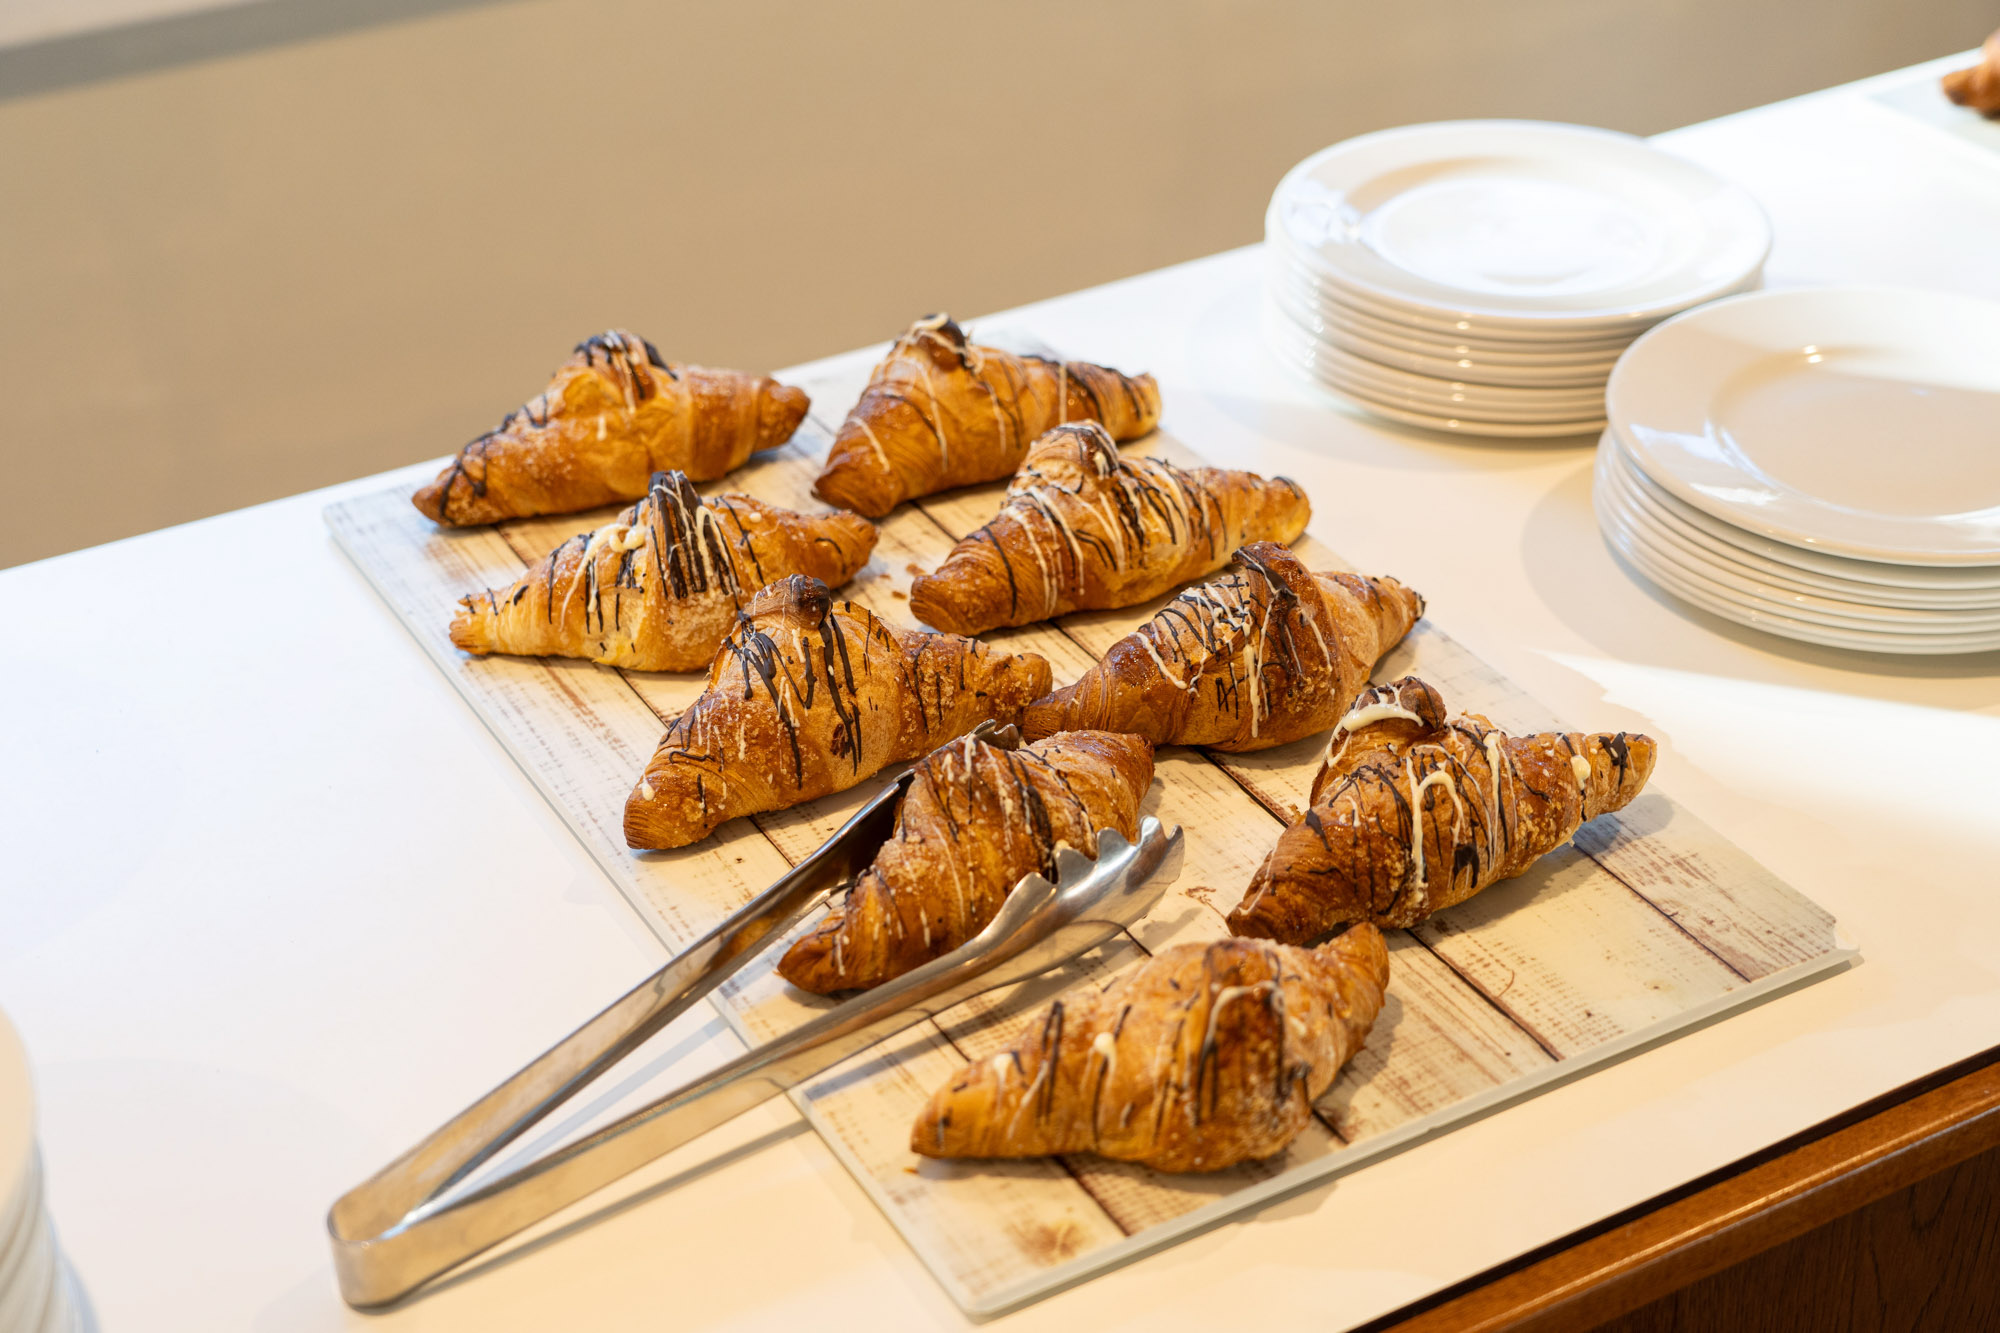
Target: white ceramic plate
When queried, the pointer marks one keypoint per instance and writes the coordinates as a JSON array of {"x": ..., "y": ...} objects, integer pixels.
[
  {"x": 1440, "y": 362},
  {"x": 1552, "y": 342},
  {"x": 18, "y": 1237},
  {"x": 1974, "y": 580},
  {"x": 32, "y": 1288},
  {"x": 1864, "y": 422},
  {"x": 1415, "y": 412},
  {"x": 1519, "y": 224},
  {"x": 1732, "y": 583},
  {"x": 1665, "y": 513},
  {"x": 1791, "y": 627},
  {"x": 1498, "y": 401},
  {"x": 1777, "y": 622},
  {"x": 1446, "y": 348},
  {"x": 17, "y": 1118},
  {"x": 1690, "y": 545},
  {"x": 1464, "y": 369},
  {"x": 1449, "y": 425},
  {"x": 1452, "y": 395}
]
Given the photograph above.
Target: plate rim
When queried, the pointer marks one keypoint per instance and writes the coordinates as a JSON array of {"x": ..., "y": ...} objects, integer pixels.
[
  {"x": 1640, "y": 150},
  {"x": 1392, "y": 380},
  {"x": 1785, "y": 626},
  {"x": 1771, "y": 602},
  {"x": 1638, "y": 359}
]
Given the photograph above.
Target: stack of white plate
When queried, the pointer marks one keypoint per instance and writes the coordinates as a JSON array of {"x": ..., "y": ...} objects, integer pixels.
[
  {"x": 36, "y": 1291},
  {"x": 1822, "y": 464},
  {"x": 1483, "y": 276}
]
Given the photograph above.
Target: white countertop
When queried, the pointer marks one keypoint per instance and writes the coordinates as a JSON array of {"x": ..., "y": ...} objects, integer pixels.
[{"x": 273, "y": 904}]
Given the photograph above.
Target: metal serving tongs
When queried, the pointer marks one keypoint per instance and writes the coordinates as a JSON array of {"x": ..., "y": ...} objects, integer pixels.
[{"x": 394, "y": 1232}]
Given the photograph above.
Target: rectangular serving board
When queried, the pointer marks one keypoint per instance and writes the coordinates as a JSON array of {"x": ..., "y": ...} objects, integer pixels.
[{"x": 1648, "y": 924}]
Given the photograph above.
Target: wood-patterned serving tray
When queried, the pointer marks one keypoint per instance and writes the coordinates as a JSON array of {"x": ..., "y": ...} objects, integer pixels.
[{"x": 1649, "y": 923}]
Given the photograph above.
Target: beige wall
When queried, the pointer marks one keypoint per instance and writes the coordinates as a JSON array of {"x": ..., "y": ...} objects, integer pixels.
[{"x": 227, "y": 280}]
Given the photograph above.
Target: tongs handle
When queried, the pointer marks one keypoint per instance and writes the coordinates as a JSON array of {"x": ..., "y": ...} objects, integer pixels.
[
  {"x": 383, "y": 1251},
  {"x": 381, "y": 1207}
]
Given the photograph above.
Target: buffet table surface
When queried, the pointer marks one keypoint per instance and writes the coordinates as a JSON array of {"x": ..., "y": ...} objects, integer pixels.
[{"x": 275, "y": 904}]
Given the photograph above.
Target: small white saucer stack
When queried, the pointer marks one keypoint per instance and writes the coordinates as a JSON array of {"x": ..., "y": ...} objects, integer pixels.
[
  {"x": 1819, "y": 463},
  {"x": 1483, "y": 276},
  {"x": 36, "y": 1287}
]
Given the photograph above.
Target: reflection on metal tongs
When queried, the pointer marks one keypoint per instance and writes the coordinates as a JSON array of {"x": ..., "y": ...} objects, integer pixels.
[{"x": 396, "y": 1231}]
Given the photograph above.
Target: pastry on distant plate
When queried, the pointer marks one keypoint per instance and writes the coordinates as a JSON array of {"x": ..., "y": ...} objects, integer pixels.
[
  {"x": 658, "y": 587},
  {"x": 614, "y": 414},
  {"x": 977, "y": 818},
  {"x": 1084, "y": 529},
  {"x": 1260, "y": 656},
  {"x": 1202, "y": 1057},
  {"x": 1978, "y": 86},
  {"x": 1413, "y": 813},
  {"x": 808, "y": 696},
  {"x": 942, "y": 411}
]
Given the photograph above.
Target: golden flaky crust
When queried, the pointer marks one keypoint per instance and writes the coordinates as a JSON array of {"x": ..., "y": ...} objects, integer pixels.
[
  {"x": 1083, "y": 529},
  {"x": 1978, "y": 86},
  {"x": 1412, "y": 813},
  {"x": 658, "y": 587},
  {"x": 614, "y": 414},
  {"x": 977, "y": 819},
  {"x": 808, "y": 696},
  {"x": 1203, "y": 1057},
  {"x": 1261, "y": 656},
  {"x": 941, "y": 411}
]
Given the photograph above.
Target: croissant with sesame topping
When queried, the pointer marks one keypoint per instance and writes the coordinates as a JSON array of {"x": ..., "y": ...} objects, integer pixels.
[
  {"x": 943, "y": 411},
  {"x": 1199, "y": 1058},
  {"x": 1084, "y": 529},
  {"x": 1413, "y": 813},
  {"x": 614, "y": 414},
  {"x": 658, "y": 587}
]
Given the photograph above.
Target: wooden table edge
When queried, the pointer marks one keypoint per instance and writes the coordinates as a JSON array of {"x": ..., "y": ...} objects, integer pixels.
[{"x": 1721, "y": 1219}]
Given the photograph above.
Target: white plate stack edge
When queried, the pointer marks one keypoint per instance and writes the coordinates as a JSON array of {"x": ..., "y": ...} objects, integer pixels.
[
  {"x": 1482, "y": 277},
  {"x": 37, "y": 1289},
  {"x": 1819, "y": 463}
]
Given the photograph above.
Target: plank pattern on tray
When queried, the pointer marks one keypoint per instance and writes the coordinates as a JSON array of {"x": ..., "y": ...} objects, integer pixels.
[{"x": 1648, "y": 922}]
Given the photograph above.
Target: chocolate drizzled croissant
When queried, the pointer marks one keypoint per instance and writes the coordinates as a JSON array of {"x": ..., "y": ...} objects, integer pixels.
[
  {"x": 614, "y": 414},
  {"x": 808, "y": 696},
  {"x": 942, "y": 411},
  {"x": 976, "y": 819},
  {"x": 1202, "y": 1057},
  {"x": 1084, "y": 529},
  {"x": 1260, "y": 656},
  {"x": 658, "y": 587},
  {"x": 1412, "y": 813}
]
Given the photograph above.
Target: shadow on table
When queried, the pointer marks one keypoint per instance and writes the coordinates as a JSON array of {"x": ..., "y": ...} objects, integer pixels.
[{"x": 1579, "y": 576}]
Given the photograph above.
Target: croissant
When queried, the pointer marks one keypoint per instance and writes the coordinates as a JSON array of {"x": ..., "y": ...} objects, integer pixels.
[
  {"x": 614, "y": 414},
  {"x": 807, "y": 697},
  {"x": 1412, "y": 814},
  {"x": 941, "y": 411},
  {"x": 1259, "y": 657},
  {"x": 1978, "y": 86},
  {"x": 1083, "y": 529},
  {"x": 1202, "y": 1057},
  {"x": 658, "y": 587},
  {"x": 977, "y": 818}
]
